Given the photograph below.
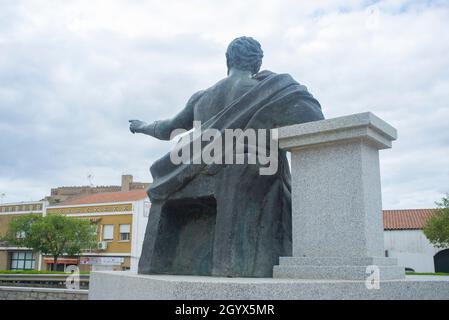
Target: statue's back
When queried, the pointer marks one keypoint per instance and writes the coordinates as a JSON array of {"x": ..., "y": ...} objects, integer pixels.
[{"x": 220, "y": 95}]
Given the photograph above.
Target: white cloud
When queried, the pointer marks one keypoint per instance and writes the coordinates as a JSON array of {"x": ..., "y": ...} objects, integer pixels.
[{"x": 73, "y": 72}]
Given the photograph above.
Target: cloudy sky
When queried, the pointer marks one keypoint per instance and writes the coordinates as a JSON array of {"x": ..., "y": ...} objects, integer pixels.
[{"x": 73, "y": 72}]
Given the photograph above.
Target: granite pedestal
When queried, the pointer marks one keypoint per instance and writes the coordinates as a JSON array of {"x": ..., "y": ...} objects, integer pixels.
[
  {"x": 337, "y": 229},
  {"x": 336, "y": 199},
  {"x": 126, "y": 285}
]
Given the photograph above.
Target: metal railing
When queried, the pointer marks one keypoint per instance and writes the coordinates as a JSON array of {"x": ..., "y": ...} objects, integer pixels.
[{"x": 41, "y": 280}]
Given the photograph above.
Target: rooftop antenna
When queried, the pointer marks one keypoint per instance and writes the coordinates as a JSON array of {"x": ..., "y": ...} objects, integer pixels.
[
  {"x": 90, "y": 177},
  {"x": 2, "y": 196}
]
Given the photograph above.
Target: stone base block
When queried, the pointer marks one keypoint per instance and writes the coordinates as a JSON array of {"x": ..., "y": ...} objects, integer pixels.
[
  {"x": 338, "y": 261},
  {"x": 117, "y": 285},
  {"x": 337, "y": 268},
  {"x": 336, "y": 272}
]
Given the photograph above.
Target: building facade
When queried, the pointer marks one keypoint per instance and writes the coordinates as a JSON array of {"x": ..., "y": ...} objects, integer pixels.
[
  {"x": 120, "y": 219},
  {"x": 17, "y": 258},
  {"x": 405, "y": 240}
]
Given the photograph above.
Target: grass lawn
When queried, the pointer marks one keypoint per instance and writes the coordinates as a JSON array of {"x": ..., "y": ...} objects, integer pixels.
[{"x": 426, "y": 274}]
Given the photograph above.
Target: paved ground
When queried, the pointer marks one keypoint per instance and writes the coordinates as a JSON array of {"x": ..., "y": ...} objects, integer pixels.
[{"x": 428, "y": 278}]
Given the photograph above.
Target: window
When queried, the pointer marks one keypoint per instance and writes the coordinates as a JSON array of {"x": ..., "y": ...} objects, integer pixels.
[
  {"x": 108, "y": 232},
  {"x": 125, "y": 232},
  {"x": 22, "y": 260},
  {"x": 20, "y": 235}
]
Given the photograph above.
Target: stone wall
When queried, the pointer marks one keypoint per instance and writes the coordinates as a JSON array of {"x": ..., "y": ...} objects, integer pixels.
[
  {"x": 23, "y": 293},
  {"x": 61, "y": 194}
]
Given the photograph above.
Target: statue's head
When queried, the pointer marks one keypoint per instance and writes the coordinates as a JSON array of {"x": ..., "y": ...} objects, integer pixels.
[{"x": 244, "y": 53}]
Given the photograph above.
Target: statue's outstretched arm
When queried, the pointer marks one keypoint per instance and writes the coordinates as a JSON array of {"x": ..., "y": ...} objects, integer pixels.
[{"x": 162, "y": 129}]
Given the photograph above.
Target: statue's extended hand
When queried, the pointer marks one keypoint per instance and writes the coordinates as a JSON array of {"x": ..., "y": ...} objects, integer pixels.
[{"x": 137, "y": 126}]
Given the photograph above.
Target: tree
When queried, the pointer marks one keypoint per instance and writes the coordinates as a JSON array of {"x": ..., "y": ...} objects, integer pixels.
[
  {"x": 52, "y": 235},
  {"x": 437, "y": 226}
]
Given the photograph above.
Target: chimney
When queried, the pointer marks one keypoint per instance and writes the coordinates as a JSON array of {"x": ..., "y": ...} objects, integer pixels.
[{"x": 127, "y": 179}]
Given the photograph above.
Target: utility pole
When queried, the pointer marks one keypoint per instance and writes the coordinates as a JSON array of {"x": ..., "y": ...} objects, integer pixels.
[{"x": 90, "y": 177}]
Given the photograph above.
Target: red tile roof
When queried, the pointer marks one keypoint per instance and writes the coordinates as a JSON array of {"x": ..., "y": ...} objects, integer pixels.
[
  {"x": 108, "y": 197},
  {"x": 407, "y": 219}
]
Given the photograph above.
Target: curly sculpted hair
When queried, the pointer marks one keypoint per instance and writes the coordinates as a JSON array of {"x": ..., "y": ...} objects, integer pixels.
[{"x": 244, "y": 53}]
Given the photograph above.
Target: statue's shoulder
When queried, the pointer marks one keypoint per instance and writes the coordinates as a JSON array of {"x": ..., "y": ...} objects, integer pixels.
[
  {"x": 285, "y": 78},
  {"x": 195, "y": 97},
  {"x": 262, "y": 75},
  {"x": 265, "y": 74},
  {"x": 218, "y": 86}
]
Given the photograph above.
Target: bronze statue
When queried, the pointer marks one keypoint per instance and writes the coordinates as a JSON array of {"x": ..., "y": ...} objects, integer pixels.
[{"x": 225, "y": 219}]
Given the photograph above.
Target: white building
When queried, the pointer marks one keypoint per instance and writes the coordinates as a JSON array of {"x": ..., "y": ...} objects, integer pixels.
[{"x": 405, "y": 240}]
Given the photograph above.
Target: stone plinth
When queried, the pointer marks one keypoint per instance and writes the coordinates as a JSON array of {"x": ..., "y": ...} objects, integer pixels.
[
  {"x": 126, "y": 285},
  {"x": 336, "y": 199}
]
